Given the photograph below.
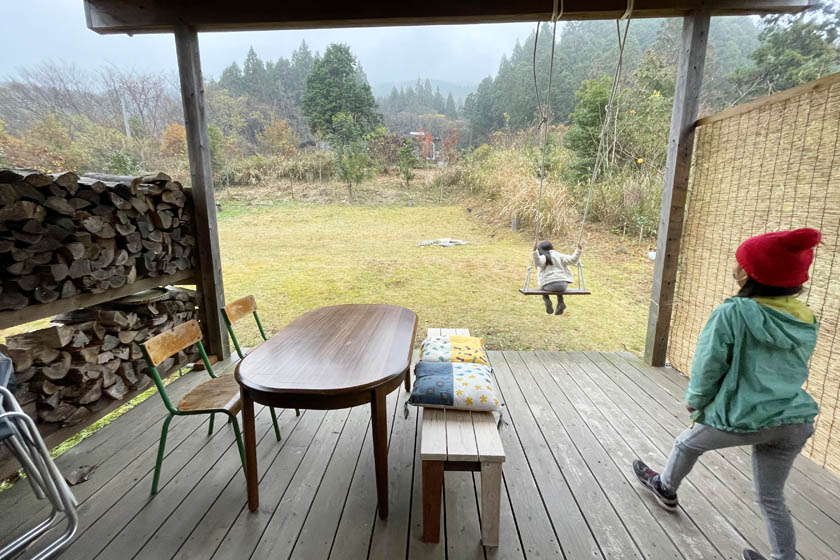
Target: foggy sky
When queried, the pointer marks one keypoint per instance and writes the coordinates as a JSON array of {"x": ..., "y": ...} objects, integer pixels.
[{"x": 37, "y": 30}]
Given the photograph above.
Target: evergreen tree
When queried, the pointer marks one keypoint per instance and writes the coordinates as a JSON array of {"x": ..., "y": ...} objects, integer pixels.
[
  {"x": 792, "y": 50},
  {"x": 231, "y": 80},
  {"x": 450, "y": 111},
  {"x": 254, "y": 76},
  {"x": 336, "y": 85}
]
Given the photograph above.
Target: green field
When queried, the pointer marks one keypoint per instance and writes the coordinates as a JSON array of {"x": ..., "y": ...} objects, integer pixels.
[{"x": 294, "y": 258}]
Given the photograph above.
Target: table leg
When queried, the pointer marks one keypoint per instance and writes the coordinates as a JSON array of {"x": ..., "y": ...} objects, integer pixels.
[
  {"x": 379, "y": 425},
  {"x": 251, "y": 476}
]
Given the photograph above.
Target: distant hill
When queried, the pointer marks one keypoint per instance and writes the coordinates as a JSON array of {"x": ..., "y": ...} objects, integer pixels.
[{"x": 459, "y": 91}]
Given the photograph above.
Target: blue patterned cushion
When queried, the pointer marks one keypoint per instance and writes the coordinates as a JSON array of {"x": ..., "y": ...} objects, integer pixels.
[{"x": 454, "y": 385}]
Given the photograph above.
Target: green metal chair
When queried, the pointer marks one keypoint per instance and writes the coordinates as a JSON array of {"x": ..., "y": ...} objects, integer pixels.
[
  {"x": 220, "y": 394},
  {"x": 235, "y": 311}
]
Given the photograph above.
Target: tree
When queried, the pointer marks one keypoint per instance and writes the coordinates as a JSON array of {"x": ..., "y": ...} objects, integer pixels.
[
  {"x": 335, "y": 85},
  {"x": 407, "y": 161},
  {"x": 351, "y": 158},
  {"x": 792, "y": 50},
  {"x": 278, "y": 138},
  {"x": 174, "y": 140},
  {"x": 451, "y": 112},
  {"x": 587, "y": 119}
]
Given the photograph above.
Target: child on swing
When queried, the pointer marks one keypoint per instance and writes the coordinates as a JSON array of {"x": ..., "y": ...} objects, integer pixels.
[
  {"x": 553, "y": 272},
  {"x": 746, "y": 380}
]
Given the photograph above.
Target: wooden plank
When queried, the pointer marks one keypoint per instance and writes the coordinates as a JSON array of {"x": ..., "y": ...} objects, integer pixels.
[
  {"x": 171, "y": 342},
  {"x": 43, "y": 310},
  {"x": 463, "y": 527},
  {"x": 198, "y": 483},
  {"x": 220, "y": 496},
  {"x": 126, "y": 493},
  {"x": 209, "y": 274},
  {"x": 806, "y": 473},
  {"x": 433, "y": 436},
  {"x": 510, "y": 546},
  {"x": 241, "y": 307},
  {"x": 780, "y": 97},
  {"x": 318, "y": 531},
  {"x": 352, "y": 539},
  {"x": 135, "y": 16},
  {"x": 616, "y": 479},
  {"x": 228, "y": 511},
  {"x": 692, "y": 58},
  {"x": 487, "y": 437},
  {"x": 247, "y": 529},
  {"x": 417, "y": 549},
  {"x": 822, "y": 525},
  {"x": 281, "y": 533},
  {"x": 704, "y": 532},
  {"x": 460, "y": 437},
  {"x": 591, "y": 499},
  {"x": 540, "y": 493},
  {"x": 389, "y": 537},
  {"x": 720, "y": 479},
  {"x": 490, "y": 492}
]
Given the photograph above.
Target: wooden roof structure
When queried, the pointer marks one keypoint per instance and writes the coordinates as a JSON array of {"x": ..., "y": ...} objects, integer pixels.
[{"x": 186, "y": 18}]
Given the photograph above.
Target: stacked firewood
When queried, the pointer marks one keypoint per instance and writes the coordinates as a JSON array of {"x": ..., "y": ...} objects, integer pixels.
[
  {"x": 87, "y": 358},
  {"x": 62, "y": 235}
]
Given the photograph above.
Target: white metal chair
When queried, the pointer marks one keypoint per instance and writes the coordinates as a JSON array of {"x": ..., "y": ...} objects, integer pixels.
[{"x": 21, "y": 436}]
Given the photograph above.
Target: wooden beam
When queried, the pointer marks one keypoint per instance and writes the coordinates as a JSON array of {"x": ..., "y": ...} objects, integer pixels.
[
  {"x": 207, "y": 239},
  {"x": 157, "y": 16},
  {"x": 43, "y": 310},
  {"x": 692, "y": 58}
]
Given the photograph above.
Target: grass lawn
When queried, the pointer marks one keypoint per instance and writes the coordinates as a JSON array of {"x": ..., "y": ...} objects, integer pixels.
[{"x": 294, "y": 258}]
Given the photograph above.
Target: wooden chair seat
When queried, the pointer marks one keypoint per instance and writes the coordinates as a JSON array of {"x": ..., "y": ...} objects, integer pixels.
[
  {"x": 221, "y": 393},
  {"x": 569, "y": 292}
]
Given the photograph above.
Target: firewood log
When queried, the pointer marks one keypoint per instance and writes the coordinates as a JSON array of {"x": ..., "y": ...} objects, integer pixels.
[
  {"x": 118, "y": 390},
  {"x": 55, "y": 336}
]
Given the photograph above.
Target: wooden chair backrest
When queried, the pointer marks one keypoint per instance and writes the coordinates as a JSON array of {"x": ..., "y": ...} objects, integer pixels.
[
  {"x": 172, "y": 341},
  {"x": 240, "y": 308}
]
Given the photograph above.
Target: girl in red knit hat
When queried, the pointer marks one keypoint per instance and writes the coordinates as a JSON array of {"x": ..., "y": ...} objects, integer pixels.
[{"x": 746, "y": 380}]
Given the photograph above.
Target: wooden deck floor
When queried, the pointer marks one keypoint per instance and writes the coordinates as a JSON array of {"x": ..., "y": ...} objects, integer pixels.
[{"x": 573, "y": 424}]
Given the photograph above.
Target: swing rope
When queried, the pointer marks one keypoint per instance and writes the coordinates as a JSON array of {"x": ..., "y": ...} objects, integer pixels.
[{"x": 610, "y": 115}]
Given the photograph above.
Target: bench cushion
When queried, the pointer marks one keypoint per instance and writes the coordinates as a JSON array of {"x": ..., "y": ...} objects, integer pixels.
[
  {"x": 453, "y": 348},
  {"x": 459, "y": 386}
]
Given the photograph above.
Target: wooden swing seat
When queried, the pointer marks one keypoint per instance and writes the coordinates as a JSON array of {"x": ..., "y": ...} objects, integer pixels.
[{"x": 570, "y": 292}]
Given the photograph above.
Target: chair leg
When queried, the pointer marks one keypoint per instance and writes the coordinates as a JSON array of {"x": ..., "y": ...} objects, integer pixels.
[
  {"x": 161, "y": 449},
  {"x": 238, "y": 434},
  {"x": 212, "y": 418},
  {"x": 274, "y": 421},
  {"x": 297, "y": 412}
]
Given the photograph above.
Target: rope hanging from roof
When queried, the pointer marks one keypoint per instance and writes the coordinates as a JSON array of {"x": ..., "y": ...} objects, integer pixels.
[{"x": 544, "y": 121}]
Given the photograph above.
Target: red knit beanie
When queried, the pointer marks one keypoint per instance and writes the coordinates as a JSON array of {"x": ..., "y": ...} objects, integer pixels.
[{"x": 781, "y": 258}]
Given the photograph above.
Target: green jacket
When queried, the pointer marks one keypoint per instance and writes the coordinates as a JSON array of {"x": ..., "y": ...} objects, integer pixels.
[{"x": 749, "y": 368}]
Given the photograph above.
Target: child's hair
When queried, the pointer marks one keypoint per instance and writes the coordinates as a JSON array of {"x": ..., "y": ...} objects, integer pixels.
[
  {"x": 753, "y": 289},
  {"x": 544, "y": 249}
]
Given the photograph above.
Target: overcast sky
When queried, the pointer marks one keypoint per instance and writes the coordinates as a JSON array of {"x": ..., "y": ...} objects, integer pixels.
[{"x": 36, "y": 30}]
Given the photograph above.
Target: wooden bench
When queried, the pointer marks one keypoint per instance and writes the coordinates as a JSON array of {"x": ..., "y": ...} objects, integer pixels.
[{"x": 457, "y": 440}]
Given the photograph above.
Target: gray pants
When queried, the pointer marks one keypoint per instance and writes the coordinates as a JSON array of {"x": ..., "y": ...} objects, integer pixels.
[{"x": 774, "y": 451}]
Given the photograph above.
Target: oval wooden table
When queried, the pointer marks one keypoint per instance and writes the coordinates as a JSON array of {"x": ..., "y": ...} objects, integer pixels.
[{"x": 333, "y": 357}]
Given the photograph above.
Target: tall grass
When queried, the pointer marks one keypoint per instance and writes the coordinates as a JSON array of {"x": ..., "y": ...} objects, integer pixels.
[
  {"x": 503, "y": 178},
  {"x": 309, "y": 167}
]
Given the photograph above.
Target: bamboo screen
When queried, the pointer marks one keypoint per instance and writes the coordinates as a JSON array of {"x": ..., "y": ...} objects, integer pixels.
[{"x": 768, "y": 165}]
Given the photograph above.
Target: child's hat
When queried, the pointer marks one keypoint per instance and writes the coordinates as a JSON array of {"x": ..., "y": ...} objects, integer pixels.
[{"x": 780, "y": 258}]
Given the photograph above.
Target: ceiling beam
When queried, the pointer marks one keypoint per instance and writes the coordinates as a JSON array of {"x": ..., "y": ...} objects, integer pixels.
[{"x": 161, "y": 16}]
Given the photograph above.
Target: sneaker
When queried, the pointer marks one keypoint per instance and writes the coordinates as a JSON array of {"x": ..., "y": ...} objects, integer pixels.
[
  {"x": 548, "y": 307},
  {"x": 650, "y": 480},
  {"x": 752, "y": 555},
  {"x": 561, "y": 307}
]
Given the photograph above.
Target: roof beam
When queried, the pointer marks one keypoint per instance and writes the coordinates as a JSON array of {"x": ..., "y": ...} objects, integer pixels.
[{"x": 160, "y": 16}]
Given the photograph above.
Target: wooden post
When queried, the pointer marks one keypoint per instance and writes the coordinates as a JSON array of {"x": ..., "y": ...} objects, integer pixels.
[
  {"x": 692, "y": 58},
  {"x": 207, "y": 237}
]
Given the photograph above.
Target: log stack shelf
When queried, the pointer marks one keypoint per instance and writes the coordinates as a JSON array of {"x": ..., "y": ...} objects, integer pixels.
[{"x": 152, "y": 206}]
